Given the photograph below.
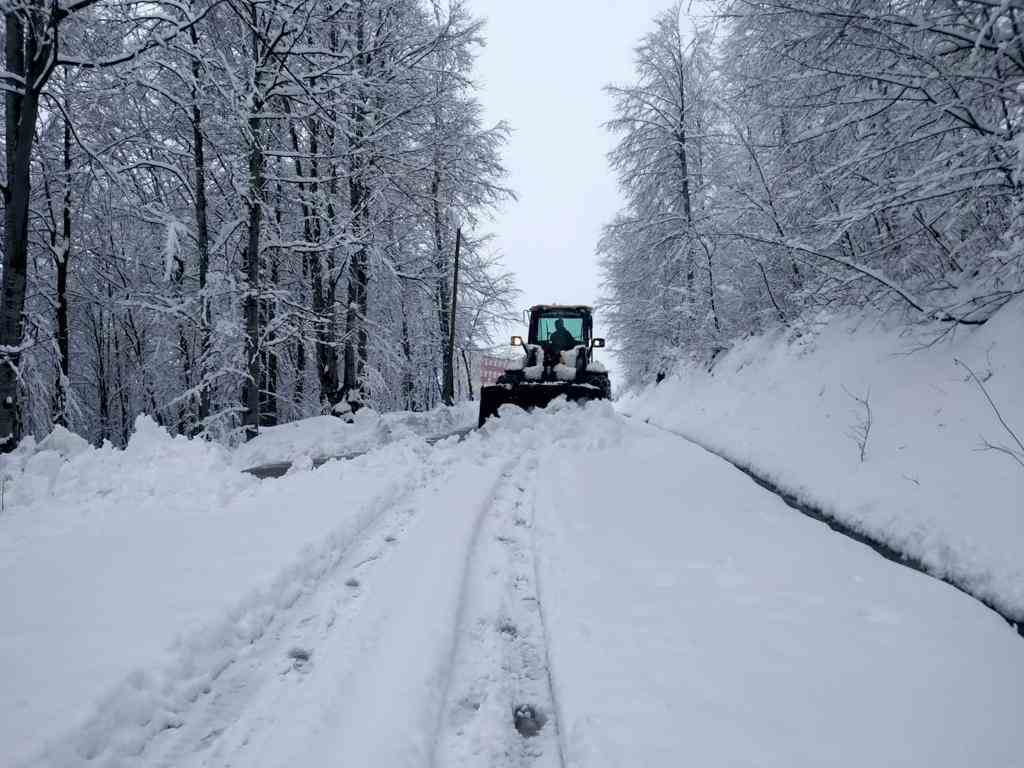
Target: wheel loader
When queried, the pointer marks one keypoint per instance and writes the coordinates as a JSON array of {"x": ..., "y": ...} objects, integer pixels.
[{"x": 558, "y": 359}]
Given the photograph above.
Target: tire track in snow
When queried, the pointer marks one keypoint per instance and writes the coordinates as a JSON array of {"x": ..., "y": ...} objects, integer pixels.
[
  {"x": 286, "y": 652},
  {"x": 369, "y": 690},
  {"x": 174, "y": 714},
  {"x": 499, "y": 709}
]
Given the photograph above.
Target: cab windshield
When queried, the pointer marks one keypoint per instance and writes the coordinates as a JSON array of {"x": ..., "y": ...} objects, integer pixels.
[{"x": 573, "y": 325}]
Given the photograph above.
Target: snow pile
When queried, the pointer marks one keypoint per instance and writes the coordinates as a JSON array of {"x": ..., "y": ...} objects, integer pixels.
[
  {"x": 322, "y": 436},
  {"x": 565, "y": 369},
  {"x": 516, "y": 363},
  {"x": 32, "y": 469},
  {"x": 533, "y": 372},
  {"x": 796, "y": 411},
  {"x": 62, "y": 479},
  {"x": 107, "y": 555},
  {"x": 570, "y": 356},
  {"x": 564, "y": 372},
  {"x": 64, "y": 442},
  {"x": 569, "y": 360}
]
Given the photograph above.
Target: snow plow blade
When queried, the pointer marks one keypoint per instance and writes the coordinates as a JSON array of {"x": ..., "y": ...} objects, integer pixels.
[{"x": 527, "y": 396}]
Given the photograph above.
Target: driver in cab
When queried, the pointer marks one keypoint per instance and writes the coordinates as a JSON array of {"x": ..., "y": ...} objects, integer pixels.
[{"x": 561, "y": 340}]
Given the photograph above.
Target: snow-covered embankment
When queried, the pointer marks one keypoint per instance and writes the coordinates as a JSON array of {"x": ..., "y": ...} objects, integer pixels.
[{"x": 794, "y": 410}]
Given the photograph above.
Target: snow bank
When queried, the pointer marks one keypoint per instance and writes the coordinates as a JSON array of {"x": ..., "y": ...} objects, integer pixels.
[
  {"x": 106, "y": 556},
  {"x": 330, "y": 436},
  {"x": 787, "y": 408}
]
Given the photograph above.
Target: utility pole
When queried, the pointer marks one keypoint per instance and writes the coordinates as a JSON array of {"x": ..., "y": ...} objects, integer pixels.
[{"x": 449, "y": 369}]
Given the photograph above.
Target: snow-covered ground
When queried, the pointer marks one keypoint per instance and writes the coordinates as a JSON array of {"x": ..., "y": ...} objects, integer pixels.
[
  {"x": 926, "y": 485},
  {"x": 136, "y": 573},
  {"x": 638, "y": 600},
  {"x": 697, "y": 620}
]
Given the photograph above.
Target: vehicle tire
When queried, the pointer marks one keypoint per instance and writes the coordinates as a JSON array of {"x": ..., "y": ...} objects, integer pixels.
[{"x": 491, "y": 398}]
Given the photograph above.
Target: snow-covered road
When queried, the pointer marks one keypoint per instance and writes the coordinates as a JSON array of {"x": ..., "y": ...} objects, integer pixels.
[{"x": 636, "y": 599}]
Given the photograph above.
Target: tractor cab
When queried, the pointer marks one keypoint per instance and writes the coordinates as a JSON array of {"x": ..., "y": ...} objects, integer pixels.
[{"x": 557, "y": 328}]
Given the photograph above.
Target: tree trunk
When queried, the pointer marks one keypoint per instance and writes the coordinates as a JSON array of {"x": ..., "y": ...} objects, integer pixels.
[
  {"x": 313, "y": 268},
  {"x": 323, "y": 295},
  {"x": 268, "y": 311},
  {"x": 60, "y": 246},
  {"x": 120, "y": 385},
  {"x": 408, "y": 387},
  {"x": 202, "y": 238},
  {"x": 469, "y": 375},
  {"x": 101, "y": 344},
  {"x": 684, "y": 168},
  {"x": 299, "y": 392},
  {"x": 442, "y": 300},
  {"x": 27, "y": 59},
  {"x": 711, "y": 288},
  {"x": 448, "y": 395},
  {"x": 251, "y": 388},
  {"x": 63, "y": 323},
  {"x": 356, "y": 340}
]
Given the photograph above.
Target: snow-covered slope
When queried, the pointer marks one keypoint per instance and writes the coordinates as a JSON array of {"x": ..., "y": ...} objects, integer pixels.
[{"x": 787, "y": 409}]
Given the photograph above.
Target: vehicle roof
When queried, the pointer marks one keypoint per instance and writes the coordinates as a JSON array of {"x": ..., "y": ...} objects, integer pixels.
[{"x": 585, "y": 307}]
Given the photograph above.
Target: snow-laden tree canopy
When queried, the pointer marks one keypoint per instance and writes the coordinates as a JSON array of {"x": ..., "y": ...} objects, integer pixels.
[
  {"x": 790, "y": 156},
  {"x": 243, "y": 212}
]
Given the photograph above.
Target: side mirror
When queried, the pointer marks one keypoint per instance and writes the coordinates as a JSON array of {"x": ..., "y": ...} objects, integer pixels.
[
  {"x": 597, "y": 343},
  {"x": 517, "y": 341}
]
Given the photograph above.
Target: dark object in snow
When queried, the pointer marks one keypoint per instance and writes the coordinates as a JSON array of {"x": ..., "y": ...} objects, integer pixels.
[
  {"x": 550, "y": 369},
  {"x": 528, "y": 720},
  {"x": 300, "y": 657},
  {"x": 347, "y": 409},
  {"x": 352, "y": 582}
]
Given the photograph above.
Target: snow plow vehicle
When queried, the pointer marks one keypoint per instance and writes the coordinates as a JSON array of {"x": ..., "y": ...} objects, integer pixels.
[{"x": 558, "y": 360}]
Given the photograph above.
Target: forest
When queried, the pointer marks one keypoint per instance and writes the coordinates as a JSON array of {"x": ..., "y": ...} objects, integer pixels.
[
  {"x": 230, "y": 214},
  {"x": 786, "y": 159}
]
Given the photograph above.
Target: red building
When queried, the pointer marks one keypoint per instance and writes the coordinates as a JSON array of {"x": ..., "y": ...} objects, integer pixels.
[{"x": 491, "y": 368}]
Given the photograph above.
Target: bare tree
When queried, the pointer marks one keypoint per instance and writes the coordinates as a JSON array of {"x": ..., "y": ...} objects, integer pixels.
[{"x": 1015, "y": 450}]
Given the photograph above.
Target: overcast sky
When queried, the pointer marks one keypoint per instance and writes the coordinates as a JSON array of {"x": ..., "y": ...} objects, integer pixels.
[{"x": 543, "y": 71}]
